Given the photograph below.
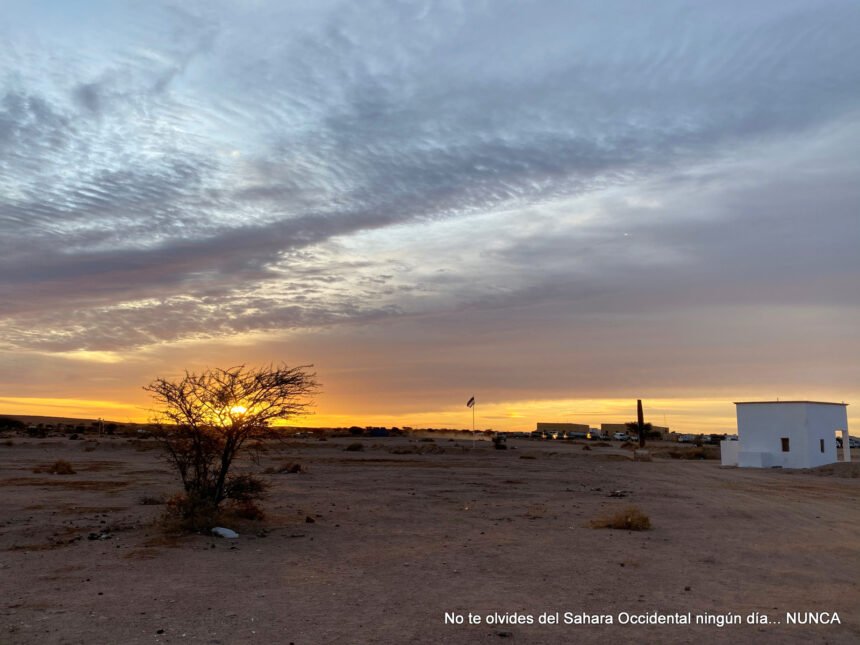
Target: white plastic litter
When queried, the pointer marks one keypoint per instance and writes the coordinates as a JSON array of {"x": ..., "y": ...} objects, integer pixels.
[{"x": 220, "y": 531}]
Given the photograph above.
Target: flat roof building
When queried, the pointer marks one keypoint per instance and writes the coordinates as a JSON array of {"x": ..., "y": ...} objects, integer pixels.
[
  {"x": 787, "y": 434},
  {"x": 562, "y": 427}
]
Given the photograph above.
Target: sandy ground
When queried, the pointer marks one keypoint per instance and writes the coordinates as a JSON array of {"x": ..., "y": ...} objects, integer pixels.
[{"x": 400, "y": 539}]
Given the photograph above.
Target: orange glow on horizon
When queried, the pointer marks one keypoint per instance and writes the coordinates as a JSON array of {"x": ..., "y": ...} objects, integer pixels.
[
  {"x": 683, "y": 415},
  {"x": 72, "y": 408},
  {"x": 690, "y": 415}
]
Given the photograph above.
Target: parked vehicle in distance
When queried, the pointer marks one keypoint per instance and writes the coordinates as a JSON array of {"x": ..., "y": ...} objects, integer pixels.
[{"x": 621, "y": 436}]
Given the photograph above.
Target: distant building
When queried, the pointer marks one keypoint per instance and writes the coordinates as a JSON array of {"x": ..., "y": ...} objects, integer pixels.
[
  {"x": 610, "y": 429},
  {"x": 787, "y": 434},
  {"x": 553, "y": 428}
]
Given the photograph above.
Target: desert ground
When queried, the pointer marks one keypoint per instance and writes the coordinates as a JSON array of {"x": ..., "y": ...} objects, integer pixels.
[{"x": 375, "y": 546}]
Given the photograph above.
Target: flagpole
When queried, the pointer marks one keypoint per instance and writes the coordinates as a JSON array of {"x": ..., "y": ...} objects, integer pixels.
[
  {"x": 471, "y": 403},
  {"x": 473, "y": 424}
]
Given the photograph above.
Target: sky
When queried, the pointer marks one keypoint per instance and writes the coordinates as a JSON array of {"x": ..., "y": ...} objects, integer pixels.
[{"x": 555, "y": 206}]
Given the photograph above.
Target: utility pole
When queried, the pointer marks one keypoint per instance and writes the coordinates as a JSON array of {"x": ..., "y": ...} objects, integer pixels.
[{"x": 640, "y": 420}]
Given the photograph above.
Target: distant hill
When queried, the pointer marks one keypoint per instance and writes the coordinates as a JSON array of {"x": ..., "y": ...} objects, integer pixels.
[{"x": 30, "y": 419}]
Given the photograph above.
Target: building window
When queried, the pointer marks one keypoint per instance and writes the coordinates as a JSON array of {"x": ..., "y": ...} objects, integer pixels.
[
  {"x": 784, "y": 444},
  {"x": 821, "y": 443}
]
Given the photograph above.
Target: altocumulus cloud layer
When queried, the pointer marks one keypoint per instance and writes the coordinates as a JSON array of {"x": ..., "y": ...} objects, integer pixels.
[{"x": 533, "y": 173}]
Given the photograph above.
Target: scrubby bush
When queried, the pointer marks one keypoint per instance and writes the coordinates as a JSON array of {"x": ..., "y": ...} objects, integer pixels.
[
  {"x": 355, "y": 447},
  {"x": 245, "y": 488},
  {"x": 246, "y": 510},
  {"x": 427, "y": 449},
  {"x": 9, "y": 423},
  {"x": 59, "y": 467},
  {"x": 151, "y": 500},
  {"x": 288, "y": 468},
  {"x": 186, "y": 513},
  {"x": 692, "y": 453},
  {"x": 628, "y": 519}
]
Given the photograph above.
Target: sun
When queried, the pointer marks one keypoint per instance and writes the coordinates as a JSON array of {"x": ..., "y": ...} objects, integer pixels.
[{"x": 238, "y": 409}]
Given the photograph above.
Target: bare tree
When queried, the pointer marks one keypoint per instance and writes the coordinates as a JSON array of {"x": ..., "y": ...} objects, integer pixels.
[{"x": 207, "y": 418}]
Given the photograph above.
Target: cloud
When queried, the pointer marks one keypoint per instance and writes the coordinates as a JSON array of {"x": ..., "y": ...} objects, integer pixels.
[{"x": 219, "y": 169}]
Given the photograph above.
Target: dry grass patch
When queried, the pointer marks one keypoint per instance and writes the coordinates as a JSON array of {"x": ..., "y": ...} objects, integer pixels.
[
  {"x": 849, "y": 470},
  {"x": 99, "y": 466},
  {"x": 71, "y": 484},
  {"x": 628, "y": 519},
  {"x": 71, "y": 509},
  {"x": 60, "y": 538},
  {"x": 45, "y": 546},
  {"x": 171, "y": 540},
  {"x": 150, "y": 547},
  {"x": 426, "y": 449},
  {"x": 285, "y": 469},
  {"x": 536, "y": 512},
  {"x": 59, "y": 467},
  {"x": 690, "y": 453},
  {"x": 152, "y": 500},
  {"x": 144, "y": 446},
  {"x": 610, "y": 457}
]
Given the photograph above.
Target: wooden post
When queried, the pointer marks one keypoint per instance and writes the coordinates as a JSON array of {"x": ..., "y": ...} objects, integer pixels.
[{"x": 640, "y": 419}]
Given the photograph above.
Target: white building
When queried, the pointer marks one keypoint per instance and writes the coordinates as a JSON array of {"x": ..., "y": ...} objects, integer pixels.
[{"x": 789, "y": 434}]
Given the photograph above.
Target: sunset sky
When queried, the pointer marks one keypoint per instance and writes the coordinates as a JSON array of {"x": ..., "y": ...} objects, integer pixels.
[{"x": 555, "y": 206}]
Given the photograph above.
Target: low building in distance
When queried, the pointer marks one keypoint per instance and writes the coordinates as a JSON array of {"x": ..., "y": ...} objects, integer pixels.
[
  {"x": 609, "y": 429},
  {"x": 565, "y": 429}
]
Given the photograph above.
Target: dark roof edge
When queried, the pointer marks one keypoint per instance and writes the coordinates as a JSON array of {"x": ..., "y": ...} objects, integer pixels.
[{"x": 813, "y": 402}]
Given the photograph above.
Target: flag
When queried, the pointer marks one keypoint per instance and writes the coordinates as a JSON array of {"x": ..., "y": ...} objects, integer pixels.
[{"x": 470, "y": 403}]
